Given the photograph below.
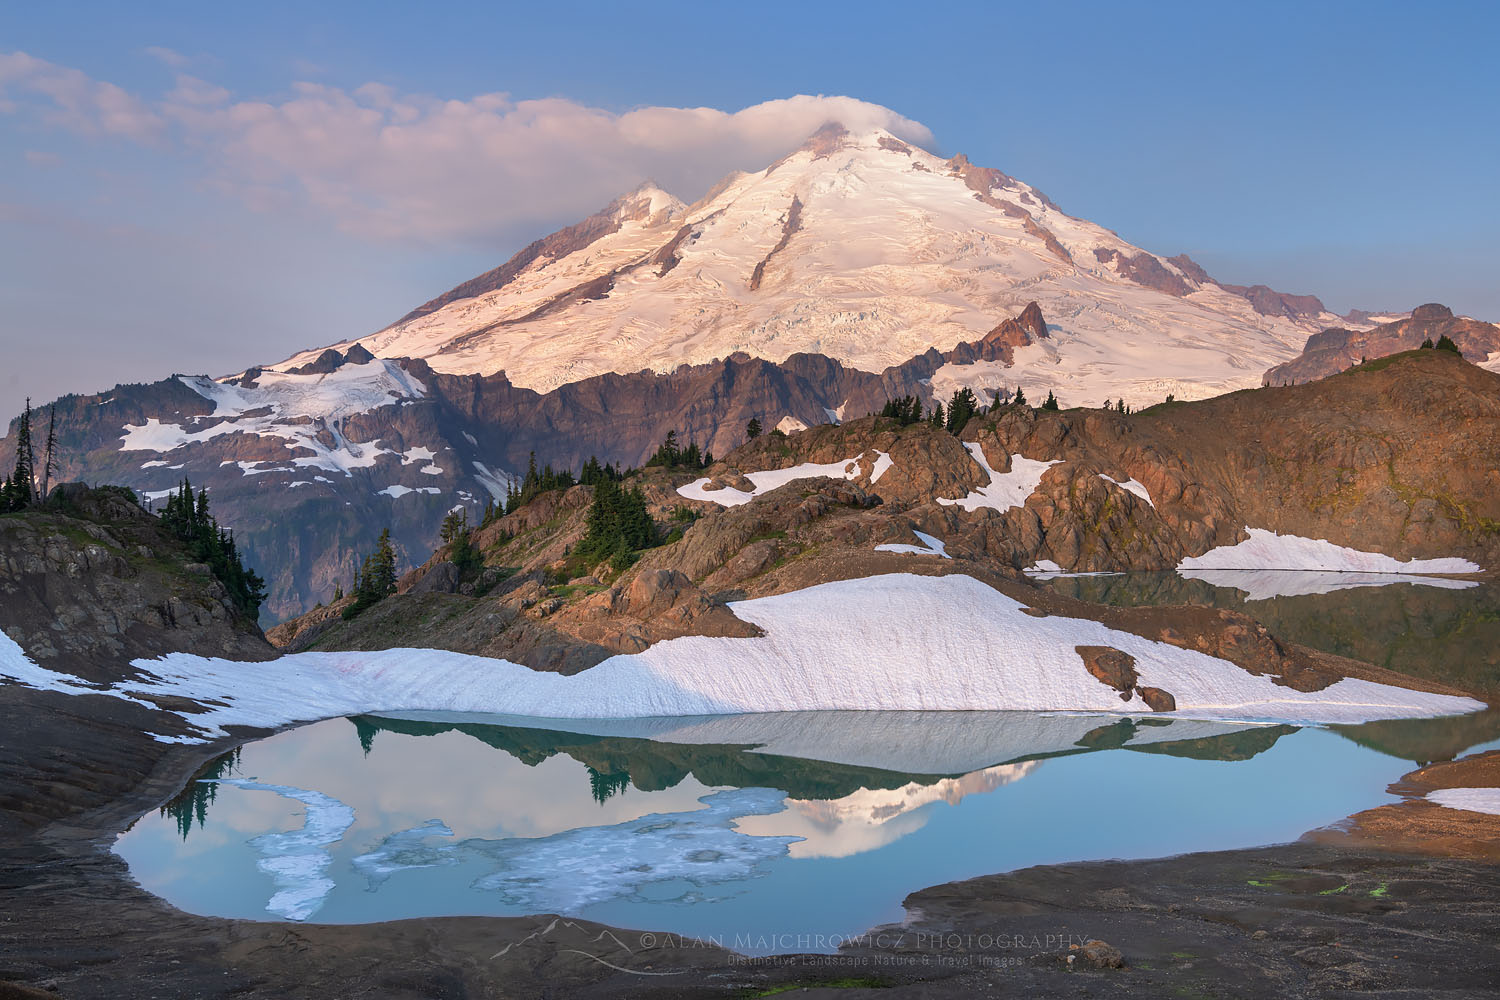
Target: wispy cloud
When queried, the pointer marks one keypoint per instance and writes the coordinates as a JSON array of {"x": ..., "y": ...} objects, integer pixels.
[
  {"x": 397, "y": 166},
  {"x": 72, "y": 99}
]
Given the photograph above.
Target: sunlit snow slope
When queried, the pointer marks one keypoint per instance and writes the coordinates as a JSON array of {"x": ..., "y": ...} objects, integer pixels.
[{"x": 869, "y": 251}]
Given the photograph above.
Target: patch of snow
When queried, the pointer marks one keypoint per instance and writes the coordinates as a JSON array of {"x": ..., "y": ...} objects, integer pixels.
[
  {"x": 1132, "y": 486},
  {"x": 790, "y": 425},
  {"x": 930, "y": 546},
  {"x": 300, "y": 410},
  {"x": 1043, "y": 566},
  {"x": 882, "y": 463},
  {"x": 1005, "y": 489},
  {"x": 497, "y": 483},
  {"x": 471, "y": 439},
  {"x": 153, "y": 465},
  {"x": 1480, "y": 800},
  {"x": 946, "y": 643},
  {"x": 1264, "y": 584},
  {"x": 770, "y": 480},
  {"x": 396, "y": 492},
  {"x": 1268, "y": 550},
  {"x": 300, "y": 482},
  {"x": 833, "y": 415},
  {"x": 155, "y": 495}
]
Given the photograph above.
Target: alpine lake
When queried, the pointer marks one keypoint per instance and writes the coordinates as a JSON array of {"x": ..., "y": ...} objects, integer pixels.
[{"x": 750, "y": 831}]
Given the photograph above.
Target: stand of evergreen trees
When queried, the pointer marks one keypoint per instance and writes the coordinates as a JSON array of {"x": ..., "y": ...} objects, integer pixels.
[
  {"x": 670, "y": 455},
  {"x": 1444, "y": 343},
  {"x": 905, "y": 410},
  {"x": 375, "y": 580},
  {"x": 618, "y": 526},
  {"x": 188, "y": 518},
  {"x": 27, "y": 486}
]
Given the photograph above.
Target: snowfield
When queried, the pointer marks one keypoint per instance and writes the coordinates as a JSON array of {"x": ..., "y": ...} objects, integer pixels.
[
  {"x": 930, "y": 546},
  {"x": 895, "y": 254},
  {"x": 1006, "y": 489},
  {"x": 772, "y": 479},
  {"x": 280, "y": 407},
  {"x": 1268, "y": 550},
  {"x": 895, "y": 642}
]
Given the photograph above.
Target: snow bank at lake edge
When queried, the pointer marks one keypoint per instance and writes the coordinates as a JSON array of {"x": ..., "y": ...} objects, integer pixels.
[{"x": 894, "y": 642}]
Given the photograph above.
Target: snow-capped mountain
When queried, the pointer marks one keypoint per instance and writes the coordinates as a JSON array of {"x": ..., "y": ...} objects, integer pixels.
[
  {"x": 856, "y": 269},
  {"x": 869, "y": 251}
]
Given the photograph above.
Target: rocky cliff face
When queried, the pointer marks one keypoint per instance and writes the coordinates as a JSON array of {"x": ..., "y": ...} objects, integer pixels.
[
  {"x": 91, "y": 581},
  {"x": 1402, "y": 459},
  {"x": 309, "y": 465},
  {"x": 1336, "y": 348}
]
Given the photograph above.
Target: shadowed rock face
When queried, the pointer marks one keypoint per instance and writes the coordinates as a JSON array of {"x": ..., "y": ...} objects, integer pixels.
[
  {"x": 92, "y": 581},
  {"x": 307, "y": 539},
  {"x": 1336, "y": 349}
]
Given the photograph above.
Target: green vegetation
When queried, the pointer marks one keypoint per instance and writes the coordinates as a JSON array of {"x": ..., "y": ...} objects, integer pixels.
[
  {"x": 961, "y": 408},
  {"x": 1050, "y": 403},
  {"x": 618, "y": 526},
  {"x": 376, "y": 580},
  {"x": 752, "y": 429},
  {"x": 190, "y": 521},
  {"x": 670, "y": 455},
  {"x": 27, "y": 486},
  {"x": 906, "y": 410},
  {"x": 1445, "y": 343}
]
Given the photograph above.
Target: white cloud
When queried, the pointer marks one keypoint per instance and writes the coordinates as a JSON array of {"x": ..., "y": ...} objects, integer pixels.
[
  {"x": 74, "y": 100},
  {"x": 397, "y": 166}
]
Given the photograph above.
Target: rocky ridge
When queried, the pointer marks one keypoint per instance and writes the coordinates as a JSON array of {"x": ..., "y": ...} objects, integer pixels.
[{"x": 1335, "y": 349}]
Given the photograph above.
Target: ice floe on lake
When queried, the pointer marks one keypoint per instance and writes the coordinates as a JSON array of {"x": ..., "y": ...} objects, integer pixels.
[
  {"x": 296, "y": 860},
  {"x": 1264, "y": 584}
]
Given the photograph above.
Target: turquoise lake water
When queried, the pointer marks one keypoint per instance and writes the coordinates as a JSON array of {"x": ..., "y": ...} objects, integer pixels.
[{"x": 684, "y": 826}]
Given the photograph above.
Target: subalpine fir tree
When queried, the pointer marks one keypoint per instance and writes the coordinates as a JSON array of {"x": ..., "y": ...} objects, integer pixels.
[
  {"x": 19, "y": 491},
  {"x": 1050, "y": 403},
  {"x": 936, "y": 418},
  {"x": 961, "y": 408},
  {"x": 1445, "y": 343},
  {"x": 1019, "y": 398},
  {"x": 752, "y": 429}
]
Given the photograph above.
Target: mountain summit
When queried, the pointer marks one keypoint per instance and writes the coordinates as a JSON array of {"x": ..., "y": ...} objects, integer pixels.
[{"x": 870, "y": 251}]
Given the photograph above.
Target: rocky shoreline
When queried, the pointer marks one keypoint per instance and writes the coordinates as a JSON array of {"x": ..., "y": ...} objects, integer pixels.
[{"x": 1347, "y": 918}]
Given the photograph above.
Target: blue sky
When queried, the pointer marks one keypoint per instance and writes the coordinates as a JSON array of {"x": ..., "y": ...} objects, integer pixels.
[{"x": 188, "y": 187}]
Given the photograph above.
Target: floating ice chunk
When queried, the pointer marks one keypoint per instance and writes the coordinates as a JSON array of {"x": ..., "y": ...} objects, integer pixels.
[
  {"x": 1480, "y": 800},
  {"x": 1005, "y": 489},
  {"x": 1131, "y": 486},
  {"x": 701, "y": 847},
  {"x": 1268, "y": 550},
  {"x": 930, "y": 546},
  {"x": 405, "y": 850},
  {"x": 295, "y": 860},
  {"x": 1043, "y": 566}
]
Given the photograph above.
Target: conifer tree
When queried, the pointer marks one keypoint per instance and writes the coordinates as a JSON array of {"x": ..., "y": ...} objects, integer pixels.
[
  {"x": 1020, "y": 397},
  {"x": 1050, "y": 403},
  {"x": 752, "y": 429},
  {"x": 961, "y": 408},
  {"x": 935, "y": 418},
  {"x": 1445, "y": 343}
]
